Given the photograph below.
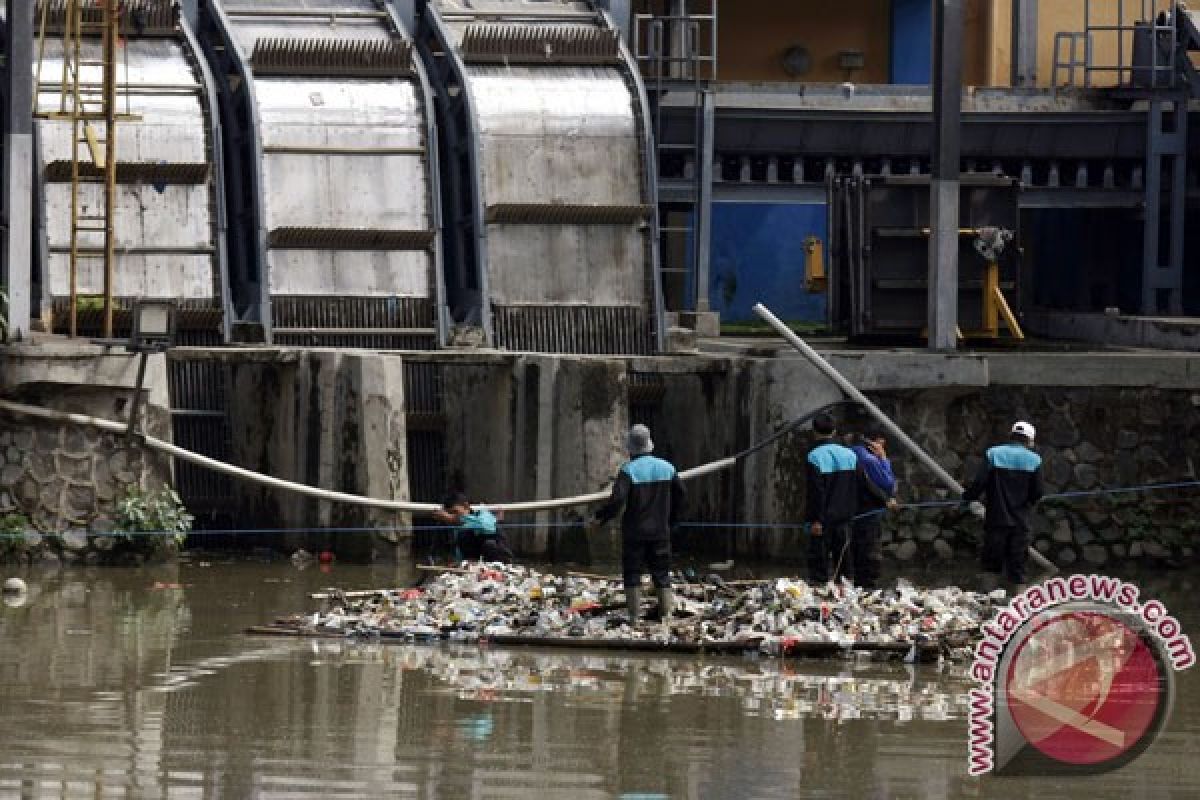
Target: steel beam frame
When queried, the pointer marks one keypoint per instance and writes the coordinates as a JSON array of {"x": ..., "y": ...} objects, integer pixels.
[
  {"x": 18, "y": 166},
  {"x": 1024, "y": 51},
  {"x": 704, "y": 169},
  {"x": 948, "y": 27},
  {"x": 1166, "y": 159}
]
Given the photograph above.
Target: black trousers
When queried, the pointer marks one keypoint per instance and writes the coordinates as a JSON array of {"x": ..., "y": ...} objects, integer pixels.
[
  {"x": 473, "y": 546},
  {"x": 828, "y": 552},
  {"x": 1005, "y": 550},
  {"x": 866, "y": 551},
  {"x": 641, "y": 556}
]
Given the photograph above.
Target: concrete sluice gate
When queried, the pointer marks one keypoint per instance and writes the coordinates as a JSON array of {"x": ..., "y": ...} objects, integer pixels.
[
  {"x": 336, "y": 206},
  {"x": 169, "y": 218},
  {"x": 549, "y": 150}
]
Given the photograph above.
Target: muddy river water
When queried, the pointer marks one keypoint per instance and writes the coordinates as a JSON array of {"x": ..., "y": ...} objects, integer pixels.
[{"x": 140, "y": 683}]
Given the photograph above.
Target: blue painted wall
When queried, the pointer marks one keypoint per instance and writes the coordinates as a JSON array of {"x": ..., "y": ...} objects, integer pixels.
[
  {"x": 758, "y": 257},
  {"x": 912, "y": 41}
]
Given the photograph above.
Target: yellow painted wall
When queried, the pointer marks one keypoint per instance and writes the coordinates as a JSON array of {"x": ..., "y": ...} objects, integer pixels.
[
  {"x": 754, "y": 34},
  {"x": 1062, "y": 15}
]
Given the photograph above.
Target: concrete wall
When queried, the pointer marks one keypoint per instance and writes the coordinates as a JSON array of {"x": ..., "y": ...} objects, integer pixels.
[
  {"x": 529, "y": 427},
  {"x": 1105, "y": 420},
  {"x": 324, "y": 418}
]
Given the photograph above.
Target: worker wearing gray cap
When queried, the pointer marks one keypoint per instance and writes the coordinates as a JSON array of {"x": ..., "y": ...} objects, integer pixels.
[
  {"x": 651, "y": 494},
  {"x": 1011, "y": 478}
]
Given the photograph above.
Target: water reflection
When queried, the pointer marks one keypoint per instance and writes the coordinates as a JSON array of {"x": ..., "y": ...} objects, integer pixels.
[
  {"x": 132, "y": 683},
  {"x": 841, "y": 690}
]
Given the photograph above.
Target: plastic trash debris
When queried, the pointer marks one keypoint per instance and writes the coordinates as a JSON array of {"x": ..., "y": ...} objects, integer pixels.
[{"x": 776, "y": 617}]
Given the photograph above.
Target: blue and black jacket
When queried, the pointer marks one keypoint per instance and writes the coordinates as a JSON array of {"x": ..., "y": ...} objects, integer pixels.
[
  {"x": 878, "y": 484},
  {"x": 650, "y": 491},
  {"x": 1011, "y": 477},
  {"x": 834, "y": 482}
]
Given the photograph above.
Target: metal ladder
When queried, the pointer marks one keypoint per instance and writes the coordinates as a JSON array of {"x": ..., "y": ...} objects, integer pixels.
[
  {"x": 675, "y": 45},
  {"x": 82, "y": 103}
]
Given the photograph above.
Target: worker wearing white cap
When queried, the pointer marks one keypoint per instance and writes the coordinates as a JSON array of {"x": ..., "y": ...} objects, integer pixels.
[{"x": 1011, "y": 477}]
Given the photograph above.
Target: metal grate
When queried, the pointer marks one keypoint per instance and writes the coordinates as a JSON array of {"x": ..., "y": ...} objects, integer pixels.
[
  {"x": 350, "y": 239},
  {"x": 426, "y": 430},
  {"x": 198, "y": 322},
  {"x": 140, "y": 172},
  {"x": 585, "y": 330},
  {"x": 563, "y": 214},
  {"x": 382, "y": 323},
  {"x": 540, "y": 44},
  {"x": 341, "y": 57},
  {"x": 140, "y": 17},
  {"x": 200, "y": 423}
]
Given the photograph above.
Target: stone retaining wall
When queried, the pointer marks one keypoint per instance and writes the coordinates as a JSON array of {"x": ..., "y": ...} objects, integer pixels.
[
  {"x": 1089, "y": 438},
  {"x": 66, "y": 481}
]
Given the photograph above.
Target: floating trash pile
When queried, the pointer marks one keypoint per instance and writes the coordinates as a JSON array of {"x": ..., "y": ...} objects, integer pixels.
[{"x": 508, "y": 604}]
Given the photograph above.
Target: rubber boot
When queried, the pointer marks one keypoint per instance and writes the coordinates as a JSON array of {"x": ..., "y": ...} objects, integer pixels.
[
  {"x": 633, "y": 603},
  {"x": 666, "y": 604}
]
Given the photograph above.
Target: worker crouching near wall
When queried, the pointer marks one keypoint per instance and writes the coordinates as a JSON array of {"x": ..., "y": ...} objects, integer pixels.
[{"x": 651, "y": 494}]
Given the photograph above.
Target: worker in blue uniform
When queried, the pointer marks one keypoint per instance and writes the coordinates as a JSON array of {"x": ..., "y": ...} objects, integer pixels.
[
  {"x": 1010, "y": 478},
  {"x": 477, "y": 535},
  {"x": 877, "y": 494},
  {"x": 651, "y": 494},
  {"x": 833, "y": 482}
]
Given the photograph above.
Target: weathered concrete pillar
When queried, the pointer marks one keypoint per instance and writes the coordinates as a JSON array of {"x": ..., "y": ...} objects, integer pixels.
[
  {"x": 478, "y": 403},
  {"x": 334, "y": 420},
  {"x": 945, "y": 174},
  {"x": 17, "y": 257},
  {"x": 574, "y": 416}
]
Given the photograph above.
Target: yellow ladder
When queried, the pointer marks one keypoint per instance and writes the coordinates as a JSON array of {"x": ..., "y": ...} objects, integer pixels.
[{"x": 81, "y": 104}]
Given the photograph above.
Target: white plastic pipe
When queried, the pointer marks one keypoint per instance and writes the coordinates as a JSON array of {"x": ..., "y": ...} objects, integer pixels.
[
  {"x": 312, "y": 491},
  {"x": 853, "y": 393}
]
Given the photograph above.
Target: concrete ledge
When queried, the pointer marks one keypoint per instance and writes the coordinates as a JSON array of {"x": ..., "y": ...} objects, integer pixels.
[
  {"x": 886, "y": 371},
  {"x": 1126, "y": 370},
  {"x": 1116, "y": 330},
  {"x": 81, "y": 364}
]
